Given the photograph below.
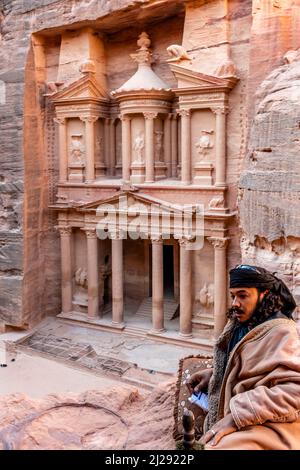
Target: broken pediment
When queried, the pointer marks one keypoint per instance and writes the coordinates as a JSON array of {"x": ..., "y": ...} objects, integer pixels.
[
  {"x": 84, "y": 89},
  {"x": 188, "y": 78}
]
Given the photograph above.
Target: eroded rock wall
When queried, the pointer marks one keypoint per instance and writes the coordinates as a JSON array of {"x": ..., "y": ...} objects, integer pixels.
[{"x": 270, "y": 183}]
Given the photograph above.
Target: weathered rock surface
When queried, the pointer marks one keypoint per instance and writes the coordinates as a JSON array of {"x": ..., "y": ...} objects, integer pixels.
[
  {"x": 269, "y": 205},
  {"x": 121, "y": 418}
]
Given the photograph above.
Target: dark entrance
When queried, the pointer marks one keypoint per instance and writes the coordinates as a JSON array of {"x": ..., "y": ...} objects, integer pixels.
[{"x": 168, "y": 260}]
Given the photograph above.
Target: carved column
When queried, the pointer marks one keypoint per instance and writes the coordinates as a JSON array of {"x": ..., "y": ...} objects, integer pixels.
[
  {"x": 167, "y": 144},
  {"x": 186, "y": 173},
  {"x": 126, "y": 147},
  {"x": 157, "y": 285},
  {"x": 149, "y": 146},
  {"x": 220, "y": 283},
  {"x": 220, "y": 145},
  {"x": 66, "y": 268},
  {"x": 174, "y": 140},
  {"x": 90, "y": 147},
  {"x": 117, "y": 281},
  {"x": 107, "y": 143},
  {"x": 185, "y": 319},
  {"x": 112, "y": 147},
  {"x": 63, "y": 155},
  {"x": 92, "y": 272}
]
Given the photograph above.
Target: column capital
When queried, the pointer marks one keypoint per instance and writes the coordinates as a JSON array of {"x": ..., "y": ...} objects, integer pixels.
[
  {"x": 124, "y": 117},
  {"x": 220, "y": 243},
  {"x": 184, "y": 112},
  {"x": 60, "y": 120},
  {"x": 64, "y": 230},
  {"x": 157, "y": 239},
  {"x": 218, "y": 110},
  {"x": 150, "y": 115},
  {"x": 186, "y": 241},
  {"x": 90, "y": 232},
  {"x": 89, "y": 118}
]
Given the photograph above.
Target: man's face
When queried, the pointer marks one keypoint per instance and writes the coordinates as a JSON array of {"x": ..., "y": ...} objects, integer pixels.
[{"x": 244, "y": 302}]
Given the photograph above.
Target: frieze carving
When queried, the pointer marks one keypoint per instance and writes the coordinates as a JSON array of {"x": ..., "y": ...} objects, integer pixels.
[{"x": 202, "y": 97}]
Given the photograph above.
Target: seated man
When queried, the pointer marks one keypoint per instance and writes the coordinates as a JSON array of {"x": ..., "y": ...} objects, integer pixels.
[{"x": 254, "y": 386}]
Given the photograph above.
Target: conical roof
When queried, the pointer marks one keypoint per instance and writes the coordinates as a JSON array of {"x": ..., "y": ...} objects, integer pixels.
[{"x": 144, "y": 78}]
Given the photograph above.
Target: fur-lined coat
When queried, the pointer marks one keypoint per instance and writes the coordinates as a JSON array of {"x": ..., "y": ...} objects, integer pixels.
[{"x": 260, "y": 386}]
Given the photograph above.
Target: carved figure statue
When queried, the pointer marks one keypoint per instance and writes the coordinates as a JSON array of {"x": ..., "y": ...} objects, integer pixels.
[
  {"x": 178, "y": 52},
  {"x": 158, "y": 145},
  {"x": 138, "y": 147},
  {"x": 77, "y": 149},
  {"x": 204, "y": 143},
  {"x": 206, "y": 295},
  {"x": 81, "y": 282},
  {"x": 99, "y": 146}
]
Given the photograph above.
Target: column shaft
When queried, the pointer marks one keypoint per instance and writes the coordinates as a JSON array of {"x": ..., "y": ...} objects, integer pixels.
[
  {"x": 90, "y": 148},
  {"x": 63, "y": 156},
  {"x": 149, "y": 146},
  {"x": 66, "y": 268},
  {"x": 126, "y": 147},
  {"x": 117, "y": 282},
  {"x": 157, "y": 286},
  {"x": 167, "y": 144},
  {"x": 92, "y": 273},
  {"x": 107, "y": 144},
  {"x": 220, "y": 147},
  {"x": 185, "y": 320},
  {"x": 174, "y": 142},
  {"x": 112, "y": 147},
  {"x": 220, "y": 284},
  {"x": 186, "y": 175}
]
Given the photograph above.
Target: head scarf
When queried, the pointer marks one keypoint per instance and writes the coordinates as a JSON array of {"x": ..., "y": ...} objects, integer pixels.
[{"x": 245, "y": 275}]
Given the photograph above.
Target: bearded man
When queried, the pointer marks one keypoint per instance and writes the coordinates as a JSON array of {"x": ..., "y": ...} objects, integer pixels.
[{"x": 254, "y": 385}]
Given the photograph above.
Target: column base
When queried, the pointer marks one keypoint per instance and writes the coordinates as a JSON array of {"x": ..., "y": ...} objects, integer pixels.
[
  {"x": 185, "y": 335},
  {"x": 157, "y": 332},
  {"x": 119, "y": 326}
]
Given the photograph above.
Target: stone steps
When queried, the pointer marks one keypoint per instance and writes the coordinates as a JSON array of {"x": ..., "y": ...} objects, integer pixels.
[{"x": 145, "y": 309}]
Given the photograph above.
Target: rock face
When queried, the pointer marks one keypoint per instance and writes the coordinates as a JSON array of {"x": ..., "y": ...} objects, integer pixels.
[
  {"x": 118, "y": 419},
  {"x": 269, "y": 206}
]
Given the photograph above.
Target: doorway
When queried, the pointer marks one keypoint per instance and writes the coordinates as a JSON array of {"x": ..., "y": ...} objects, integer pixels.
[{"x": 168, "y": 262}]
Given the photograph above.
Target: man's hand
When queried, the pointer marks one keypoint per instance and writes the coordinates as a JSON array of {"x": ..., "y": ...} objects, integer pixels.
[
  {"x": 220, "y": 429},
  {"x": 199, "y": 381}
]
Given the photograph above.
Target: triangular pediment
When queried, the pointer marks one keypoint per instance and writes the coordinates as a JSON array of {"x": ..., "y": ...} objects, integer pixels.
[
  {"x": 191, "y": 78},
  {"x": 129, "y": 199},
  {"x": 83, "y": 89}
]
